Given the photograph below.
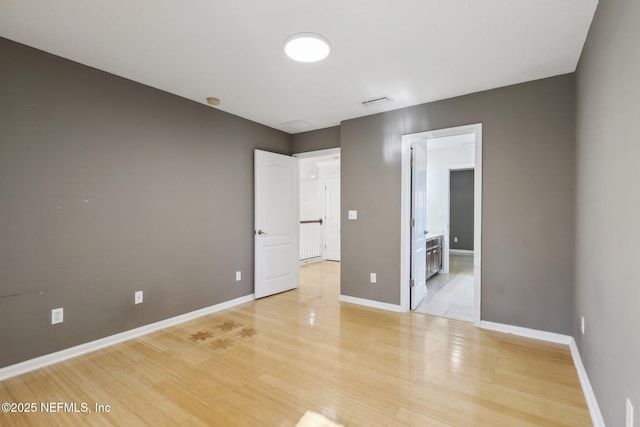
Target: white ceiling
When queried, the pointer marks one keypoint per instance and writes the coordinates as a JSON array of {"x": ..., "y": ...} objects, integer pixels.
[{"x": 413, "y": 51}]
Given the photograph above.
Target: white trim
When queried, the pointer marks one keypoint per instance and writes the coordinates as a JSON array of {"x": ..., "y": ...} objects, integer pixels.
[
  {"x": 59, "y": 356},
  {"x": 460, "y": 251},
  {"x": 405, "y": 209},
  {"x": 318, "y": 153},
  {"x": 371, "y": 303},
  {"x": 311, "y": 260},
  {"x": 527, "y": 332},
  {"x": 590, "y": 397},
  {"x": 405, "y": 213},
  {"x": 477, "y": 226}
]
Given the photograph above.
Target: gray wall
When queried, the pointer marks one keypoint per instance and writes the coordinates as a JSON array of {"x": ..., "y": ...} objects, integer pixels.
[
  {"x": 321, "y": 139},
  {"x": 109, "y": 187},
  {"x": 608, "y": 208},
  {"x": 528, "y": 199},
  {"x": 461, "y": 209}
]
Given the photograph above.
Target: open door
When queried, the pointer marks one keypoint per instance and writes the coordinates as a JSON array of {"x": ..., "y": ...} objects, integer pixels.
[
  {"x": 418, "y": 223},
  {"x": 276, "y": 223}
]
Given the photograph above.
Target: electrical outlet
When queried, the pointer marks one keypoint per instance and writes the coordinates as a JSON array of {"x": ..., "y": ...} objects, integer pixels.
[
  {"x": 57, "y": 315},
  {"x": 238, "y": 276},
  {"x": 373, "y": 278},
  {"x": 138, "y": 297},
  {"x": 455, "y": 240},
  {"x": 582, "y": 324},
  {"x": 629, "y": 413}
]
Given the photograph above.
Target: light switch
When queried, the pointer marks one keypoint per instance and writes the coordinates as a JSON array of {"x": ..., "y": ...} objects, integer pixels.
[{"x": 353, "y": 214}]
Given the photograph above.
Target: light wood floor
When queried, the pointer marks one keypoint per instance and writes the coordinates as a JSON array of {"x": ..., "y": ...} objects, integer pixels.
[{"x": 266, "y": 362}]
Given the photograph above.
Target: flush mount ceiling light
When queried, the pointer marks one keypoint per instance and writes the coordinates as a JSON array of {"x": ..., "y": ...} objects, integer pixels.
[
  {"x": 212, "y": 100},
  {"x": 307, "y": 47}
]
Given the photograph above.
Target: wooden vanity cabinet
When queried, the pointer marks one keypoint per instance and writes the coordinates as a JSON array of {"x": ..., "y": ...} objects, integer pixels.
[{"x": 434, "y": 255}]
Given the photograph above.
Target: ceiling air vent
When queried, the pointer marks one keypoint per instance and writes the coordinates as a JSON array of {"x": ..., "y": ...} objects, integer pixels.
[{"x": 376, "y": 101}]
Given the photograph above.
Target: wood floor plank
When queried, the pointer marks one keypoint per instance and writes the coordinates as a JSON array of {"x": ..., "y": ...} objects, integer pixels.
[{"x": 266, "y": 362}]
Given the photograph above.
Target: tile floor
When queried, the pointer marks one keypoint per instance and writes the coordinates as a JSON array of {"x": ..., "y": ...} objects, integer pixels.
[{"x": 451, "y": 295}]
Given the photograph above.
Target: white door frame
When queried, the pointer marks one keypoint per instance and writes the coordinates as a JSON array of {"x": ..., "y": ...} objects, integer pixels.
[
  {"x": 405, "y": 211},
  {"x": 418, "y": 243}
]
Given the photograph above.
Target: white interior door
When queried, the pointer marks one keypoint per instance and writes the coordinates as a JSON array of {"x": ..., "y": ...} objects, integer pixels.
[
  {"x": 276, "y": 223},
  {"x": 418, "y": 223},
  {"x": 332, "y": 218}
]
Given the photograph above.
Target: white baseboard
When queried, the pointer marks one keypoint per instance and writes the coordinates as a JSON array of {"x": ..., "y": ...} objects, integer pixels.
[
  {"x": 460, "y": 251},
  {"x": 59, "y": 356},
  {"x": 526, "y": 332},
  {"x": 371, "y": 303},
  {"x": 311, "y": 260},
  {"x": 590, "y": 397}
]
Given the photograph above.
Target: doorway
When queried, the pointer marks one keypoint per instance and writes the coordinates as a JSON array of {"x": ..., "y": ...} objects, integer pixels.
[
  {"x": 441, "y": 146},
  {"x": 451, "y": 291},
  {"x": 319, "y": 183}
]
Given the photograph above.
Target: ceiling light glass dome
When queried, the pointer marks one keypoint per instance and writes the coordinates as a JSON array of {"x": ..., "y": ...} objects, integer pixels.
[{"x": 307, "y": 47}]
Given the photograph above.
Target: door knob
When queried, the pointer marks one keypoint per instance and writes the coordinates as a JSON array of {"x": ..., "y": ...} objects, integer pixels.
[{"x": 261, "y": 233}]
